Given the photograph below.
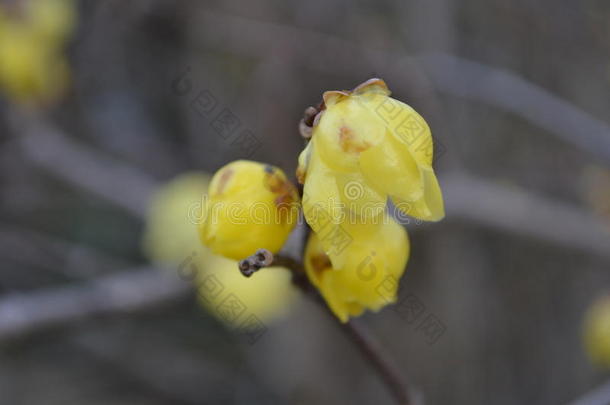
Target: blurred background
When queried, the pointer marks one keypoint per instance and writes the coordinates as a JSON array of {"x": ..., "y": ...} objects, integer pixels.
[{"x": 103, "y": 102}]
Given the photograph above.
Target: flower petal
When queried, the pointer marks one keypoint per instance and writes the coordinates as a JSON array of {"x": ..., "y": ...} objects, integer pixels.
[
  {"x": 408, "y": 128},
  {"x": 430, "y": 206},
  {"x": 362, "y": 202},
  {"x": 392, "y": 170}
]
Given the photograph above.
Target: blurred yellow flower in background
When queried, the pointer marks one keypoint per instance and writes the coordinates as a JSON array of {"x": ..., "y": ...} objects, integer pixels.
[
  {"x": 170, "y": 234},
  {"x": 597, "y": 331},
  {"x": 378, "y": 253},
  {"x": 250, "y": 206},
  {"x": 268, "y": 295},
  {"x": 171, "y": 238},
  {"x": 33, "y": 33}
]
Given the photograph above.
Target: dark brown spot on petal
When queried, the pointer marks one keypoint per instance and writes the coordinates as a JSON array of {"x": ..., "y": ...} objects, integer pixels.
[
  {"x": 320, "y": 263},
  {"x": 285, "y": 194},
  {"x": 349, "y": 142}
]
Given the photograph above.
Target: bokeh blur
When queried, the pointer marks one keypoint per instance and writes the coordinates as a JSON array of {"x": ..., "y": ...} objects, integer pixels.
[{"x": 103, "y": 102}]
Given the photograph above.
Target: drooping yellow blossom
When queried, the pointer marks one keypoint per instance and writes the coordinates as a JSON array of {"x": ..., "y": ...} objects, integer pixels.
[
  {"x": 171, "y": 238},
  {"x": 597, "y": 332},
  {"x": 33, "y": 68},
  {"x": 250, "y": 206},
  {"x": 373, "y": 262},
  {"x": 366, "y": 147}
]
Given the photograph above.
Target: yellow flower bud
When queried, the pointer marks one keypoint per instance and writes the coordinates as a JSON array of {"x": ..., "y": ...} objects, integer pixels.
[
  {"x": 372, "y": 264},
  {"x": 250, "y": 206},
  {"x": 365, "y": 137},
  {"x": 597, "y": 332}
]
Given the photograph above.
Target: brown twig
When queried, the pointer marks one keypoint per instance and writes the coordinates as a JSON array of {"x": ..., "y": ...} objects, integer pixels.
[
  {"x": 356, "y": 333},
  {"x": 374, "y": 354}
]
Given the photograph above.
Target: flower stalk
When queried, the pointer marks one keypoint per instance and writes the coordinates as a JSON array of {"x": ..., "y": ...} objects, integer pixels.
[{"x": 355, "y": 332}]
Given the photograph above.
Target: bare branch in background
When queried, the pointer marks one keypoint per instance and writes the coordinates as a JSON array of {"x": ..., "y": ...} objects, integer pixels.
[
  {"x": 136, "y": 352},
  {"x": 446, "y": 73},
  {"x": 516, "y": 211},
  {"x": 26, "y": 247},
  {"x": 103, "y": 176},
  {"x": 598, "y": 396},
  {"x": 129, "y": 291},
  {"x": 509, "y": 92}
]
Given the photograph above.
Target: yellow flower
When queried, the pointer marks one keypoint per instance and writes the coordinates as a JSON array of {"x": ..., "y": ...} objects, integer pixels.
[
  {"x": 32, "y": 35},
  {"x": 171, "y": 237},
  {"x": 366, "y": 147},
  {"x": 51, "y": 20},
  {"x": 373, "y": 262},
  {"x": 170, "y": 234},
  {"x": 597, "y": 332},
  {"x": 251, "y": 206}
]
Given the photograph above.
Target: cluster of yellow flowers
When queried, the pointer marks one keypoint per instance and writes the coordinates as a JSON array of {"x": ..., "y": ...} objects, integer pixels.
[
  {"x": 365, "y": 148},
  {"x": 33, "y": 33}
]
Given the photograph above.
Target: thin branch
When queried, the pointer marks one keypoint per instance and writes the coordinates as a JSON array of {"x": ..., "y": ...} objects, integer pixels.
[
  {"x": 107, "y": 178},
  {"x": 598, "y": 396},
  {"x": 193, "y": 379},
  {"x": 375, "y": 355},
  {"x": 26, "y": 247},
  {"x": 509, "y": 92},
  {"x": 483, "y": 202},
  {"x": 371, "y": 350},
  {"x": 126, "y": 292}
]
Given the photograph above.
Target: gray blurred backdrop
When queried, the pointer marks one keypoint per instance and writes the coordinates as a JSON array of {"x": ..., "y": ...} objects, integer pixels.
[{"x": 517, "y": 96}]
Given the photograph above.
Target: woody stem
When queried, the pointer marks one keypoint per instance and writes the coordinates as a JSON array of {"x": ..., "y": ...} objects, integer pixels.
[
  {"x": 370, "y": 349},
  {"x": 364, "y": 341}
]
